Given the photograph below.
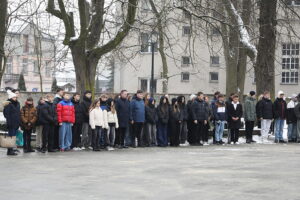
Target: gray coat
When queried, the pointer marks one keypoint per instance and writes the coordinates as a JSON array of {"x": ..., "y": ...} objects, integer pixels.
[{"x": 250, "y": 109}]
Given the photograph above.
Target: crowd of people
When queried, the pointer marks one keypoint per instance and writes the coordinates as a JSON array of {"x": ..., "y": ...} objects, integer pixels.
[{"x": 66, "y": 122}]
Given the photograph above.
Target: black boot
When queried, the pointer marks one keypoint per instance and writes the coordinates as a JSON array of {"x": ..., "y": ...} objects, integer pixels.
[{"x": 11, "y": 152}]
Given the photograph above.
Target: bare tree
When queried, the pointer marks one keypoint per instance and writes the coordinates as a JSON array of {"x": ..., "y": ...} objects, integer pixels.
[
  {"x": 86, "y": 50},
  {"x": 3, "y": 30}
]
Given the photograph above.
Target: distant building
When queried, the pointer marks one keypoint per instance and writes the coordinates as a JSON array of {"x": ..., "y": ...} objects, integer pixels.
[{"x": 23, "y": 58}]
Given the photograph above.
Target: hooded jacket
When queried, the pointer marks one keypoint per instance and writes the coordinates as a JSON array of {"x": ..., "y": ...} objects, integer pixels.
[
  {"x": 264, "y": 109},
  {"x": 163, "y": 111},
  {"x": 279, "y": 108},
  {"x": 65, "y": 112},
  {"x": 250, "y": 109},
  {"x": 47, "y": 114},
  {"x": 12, "y": 114},
  {"x": 28, "y": 116},
  {"x": 150, "y": 112}
]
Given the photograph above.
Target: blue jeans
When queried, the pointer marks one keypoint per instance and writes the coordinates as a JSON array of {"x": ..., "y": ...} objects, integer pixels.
[
  {"x": 279, "y": 123},
  {"x": 162, "y": 134},
  {"x": 219, "y": 129},
  {"x": 103, "y": 138},
  {"x": 65, "y": 135},
  {"x": 292, "y": 131}
]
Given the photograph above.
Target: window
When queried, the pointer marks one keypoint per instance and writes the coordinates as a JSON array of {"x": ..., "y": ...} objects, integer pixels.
[
  {"x": 25, "y": 66},
  {"x": 185, "y": 60},
  {"x": 293, "y": 2},
  {"x": 215, "y": 31},
  {"x": 185, "y": 76},
  {"x": 9, "y": 65},
  {"x": 215, "y": 60},
  {"x": 146, "y": 43},
  {"x": 290, "y": 49},
  {"x": 214, "y": 77},
  {"x": 186, "y": 30},
  {"x": 35, "y": 67},
  {"x": 145, "y": 85},
  {"x": 290, "y": 63},
  {"x": 25, "y": 44},
  {"x": 186, "y": 15}
]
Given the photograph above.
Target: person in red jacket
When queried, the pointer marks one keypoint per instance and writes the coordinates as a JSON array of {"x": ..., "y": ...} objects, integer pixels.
[{"x": 66, "y": 119}]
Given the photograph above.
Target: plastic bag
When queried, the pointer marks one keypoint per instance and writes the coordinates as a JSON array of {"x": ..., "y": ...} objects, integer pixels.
[{"x": 19, "y": 138}]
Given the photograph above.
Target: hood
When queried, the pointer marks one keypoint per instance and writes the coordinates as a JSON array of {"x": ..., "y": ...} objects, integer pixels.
[
  {"x": 174, "y": 100},
  {"x": 280, "y": 93},
  {"x": 250, "y": 98},
  {"x": 179, "y": 99},
  {"x": 5, "y": 103},
  {"x": 162, "y": 99}
]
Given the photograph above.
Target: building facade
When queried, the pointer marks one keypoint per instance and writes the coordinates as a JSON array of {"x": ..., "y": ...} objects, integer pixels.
[
  {"x": 32, "y": 54},
  {"x": 195, "y": 58}
]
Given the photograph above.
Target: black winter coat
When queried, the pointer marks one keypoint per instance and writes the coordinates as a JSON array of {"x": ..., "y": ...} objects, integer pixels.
[
  {"x": 297, "y": 111},
  {"x": 238, "y": 112},
  {"x": 264, "y": 109},
  {"x": 163, "y": 116},
  {"x": 279, "y": 108},
  {"x": 12, "y": 114},
  {"x": 38, "y": 111},
  {"x": 57, "y": 100},
  {"x": 291, "y": 116},
  {"x": 150, "y": 114},
  {"x": 123, "y": 112},
  {"x": 78, "y": 112},
  {"x": 47, "y": 114},
  {"x": 85, "y": 109},
  {"x": 200, "y": 110},
  {"x": 175, "y": 116}
]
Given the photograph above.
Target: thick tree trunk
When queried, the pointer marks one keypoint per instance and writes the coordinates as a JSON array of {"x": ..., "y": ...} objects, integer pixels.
[
  {"x": 265, "y": 69},
  {"x": 3, "y": 20}
]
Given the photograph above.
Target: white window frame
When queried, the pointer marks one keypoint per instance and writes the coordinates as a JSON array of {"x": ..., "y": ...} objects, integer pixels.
[{"x": 290, "y": 64}]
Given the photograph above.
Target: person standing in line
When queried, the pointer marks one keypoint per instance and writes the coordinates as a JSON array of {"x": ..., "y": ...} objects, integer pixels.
[
  {"x": 264, "y": 113},
  {"x": 11, "y": 113},
  {"x": 250, "y": 116},
  {"x": 212, "y": 107},
  {"x": 191, "y": 137},
  {"x": 48, "y": 119},
  {"x": 280, "y": 109},
  {"x": 77, "y": 126},
  {"x": 137, "y": 118},
  {"x": 123, "y": 112},
  {"x": 28, "y": 119},
  {"x": 183, "y": 125},
  {"x": 297, "y": 113},
  {"x": 113, "y": 123},
  {"x": 150, "y": 123},
  {"x": 39, "y": 126},
  {"x": 58, "y": 98},
  {"x": 220, "y": 117},
  {"x": 86, "y": 138},
  {"x": 104, "y": 140},
  {"x": 291, "y": 119},
  {"x": 176, "y": 118},
  {"x": 200, "y": 114},
  {"x": 66, "y": 118},
  {"x": 162, "y": 111},
  {"x": 207, "y": 126},
  {"x": 235, "y": 113},
  {"x": 96, "y": 117}
]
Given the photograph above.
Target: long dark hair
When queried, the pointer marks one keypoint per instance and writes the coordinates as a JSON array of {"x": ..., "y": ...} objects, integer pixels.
[
  {"x": 164, "y": 107},
  {"x": 94, "y": 104}
]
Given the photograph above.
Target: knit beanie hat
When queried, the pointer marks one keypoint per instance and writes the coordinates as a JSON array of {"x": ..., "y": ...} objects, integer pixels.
[{"x": 11, "y": 94}]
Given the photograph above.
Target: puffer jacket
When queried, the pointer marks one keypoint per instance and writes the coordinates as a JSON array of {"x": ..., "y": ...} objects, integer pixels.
[
  {"x": 264, "y": 109},
  {"x": 200, "y": 110},
  {"x": 28, "y": 116},
  {"x": 250, "y": 109},
  {"x": 47, "y": 114},
  {"x": 150, "y": 114},
  {"x": 290, "y": 115},
  {"x": 78, "y": 112},
  {"x": 98, "y": 117},
  {"x": 12, "y": 114},
  {"x": 137, "y": 110},
  {"x": 65, "y": 112},
  {"x": 112, "y": 118}
]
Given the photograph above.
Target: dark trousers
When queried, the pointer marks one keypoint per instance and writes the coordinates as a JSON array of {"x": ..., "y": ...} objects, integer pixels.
[
  {"x": 200, "y": 130},
  {"x": 205, "y": 132},
  {"x": 96, "y": 136},
  {"x": 76, "y": 132},
  {"x": 48, "y": 137},
  {"x": 120, "y": 135},
  {"x": 27, "y": 139},
  {"x": 56, "y": 137},
  {"x": 175, "y": 134},
  {"x": 234, "y": 135},
  {"x": 249, "y": 130},
  {"x": 192, "y": 132},
  {"x": 137, "y": 133},
  {"x": 162, "y": 134}
]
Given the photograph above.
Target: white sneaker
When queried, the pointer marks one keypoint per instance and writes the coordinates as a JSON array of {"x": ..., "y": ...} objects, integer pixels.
[
  {"x": 91, "y": 148},
  {"x": 82, "y": 148},
  {"x": 110, "y": 149},
  {"x": 205, "y": 144},
  {"x": 237, "y": 143},
  {"x": 232, "y": 143}
]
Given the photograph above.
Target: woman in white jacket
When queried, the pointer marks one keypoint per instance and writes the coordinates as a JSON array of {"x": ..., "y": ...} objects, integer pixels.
[
  {"x": 113, "y": 123},
  {"x": 98, "y": 120}
]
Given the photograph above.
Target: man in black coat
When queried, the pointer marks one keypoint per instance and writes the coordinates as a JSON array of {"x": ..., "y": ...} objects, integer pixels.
[
  {"x": 123, "y": 112},
  {"x": 280, "y": 109},
  {"x": 297, "y": 113},
  {"x": 86, "y": 139},
  {"x": 264, "y": 113},
  {"x": 77, "y": 126},
  {"x": 56, "y": 100},
  {"x": 235, "y": 112},
  {"x": 200, "y": 114},
  {"x": 48, "y": 119},
  {"x": 291, "y": 119}
]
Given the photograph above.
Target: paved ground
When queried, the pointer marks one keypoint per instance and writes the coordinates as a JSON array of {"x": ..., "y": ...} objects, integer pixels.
[{"x": 213, "y": 172}]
